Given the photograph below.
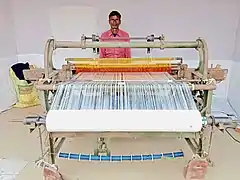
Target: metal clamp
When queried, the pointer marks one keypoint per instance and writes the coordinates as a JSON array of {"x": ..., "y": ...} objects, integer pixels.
[
  {"x": 150, "y": 39},
  {"x": 36, "y": 120},
  {"x": 95, "y": 38},
  {"x": 83, "y": 41}
]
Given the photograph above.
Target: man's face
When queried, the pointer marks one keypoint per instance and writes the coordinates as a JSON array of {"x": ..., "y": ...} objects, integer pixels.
[{"x": 114, "y": 22}]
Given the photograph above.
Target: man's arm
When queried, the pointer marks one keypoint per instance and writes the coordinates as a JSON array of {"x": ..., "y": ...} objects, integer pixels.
[
  {"x": 128, "y": 52},
  {"x": 102, "y": 51}
]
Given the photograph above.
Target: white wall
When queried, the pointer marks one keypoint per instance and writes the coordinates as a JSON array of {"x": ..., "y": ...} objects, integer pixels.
[
  {"x": 7, "y": 54},
  {"x": 216, "y": 21},
  {"x": 234, "y": 85}
]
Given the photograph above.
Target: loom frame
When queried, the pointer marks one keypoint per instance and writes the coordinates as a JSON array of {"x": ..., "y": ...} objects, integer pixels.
[{"x": 46, "y": 81}]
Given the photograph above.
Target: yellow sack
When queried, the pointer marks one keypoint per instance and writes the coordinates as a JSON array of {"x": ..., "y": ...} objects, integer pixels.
[{"x": 27, "y": 95}]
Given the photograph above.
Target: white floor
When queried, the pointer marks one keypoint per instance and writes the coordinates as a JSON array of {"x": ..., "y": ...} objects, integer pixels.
[
  {"x": 221, "y": 106},
  {"x": 19, "y": 144},
  {"x": 10, "y": 168}
]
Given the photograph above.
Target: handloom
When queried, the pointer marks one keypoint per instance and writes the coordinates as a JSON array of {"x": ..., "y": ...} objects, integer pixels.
[{"x": 129, "y": 97}]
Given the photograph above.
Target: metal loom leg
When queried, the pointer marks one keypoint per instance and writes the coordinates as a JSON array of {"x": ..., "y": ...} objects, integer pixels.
[
  {"x": 41, "y": 141},
  {"x": 200, "y": 145},
  {"x": 51, "y": 144},
  {"x": 192, "y": 146},
  {"x": 197, "y": 166}
]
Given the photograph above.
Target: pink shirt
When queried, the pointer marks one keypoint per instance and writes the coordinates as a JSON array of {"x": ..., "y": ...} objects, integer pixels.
[{"x": 115, "y": 52}]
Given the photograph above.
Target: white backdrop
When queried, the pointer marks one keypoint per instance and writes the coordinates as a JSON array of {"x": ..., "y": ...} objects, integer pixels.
[
  {"x": 35, "y": 21},
  {"x": 234, "y": 85},
  {"x": 72, "y": 21},
  {"x": 216, "y": 21},
  {"x": 7, "y": 55}
]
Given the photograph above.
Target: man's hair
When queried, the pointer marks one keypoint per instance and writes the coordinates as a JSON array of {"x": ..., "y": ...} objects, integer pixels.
[{"x": 114, "y": 13}]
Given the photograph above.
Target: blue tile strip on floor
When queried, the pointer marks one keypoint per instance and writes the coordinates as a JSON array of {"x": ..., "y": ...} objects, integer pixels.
[{"x": 141, "y": 157}]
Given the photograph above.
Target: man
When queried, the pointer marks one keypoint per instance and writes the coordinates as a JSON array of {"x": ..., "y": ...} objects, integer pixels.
[{"x": 115, "y": 33}]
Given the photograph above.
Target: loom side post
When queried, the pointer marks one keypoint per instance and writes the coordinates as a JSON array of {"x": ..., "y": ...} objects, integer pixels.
[
  {"x": 52, "y": 155},
  {"x": 48, "y": 52},
  {"x": 209, "y": 102},
  {"x": 203, "y": 57}
]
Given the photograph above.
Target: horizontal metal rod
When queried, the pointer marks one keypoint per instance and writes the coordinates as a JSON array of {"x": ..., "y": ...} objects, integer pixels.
[
  {"x": 125, "y": 38},
  {"x": 49, "y": 87},
  {"x": 202, "y": 87},
  {"x": 224, "y": 121},
  {"x": 116, "y": 44},
  {"x": 192, "y": 80},
  {"x": 42, "y": 120}
]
